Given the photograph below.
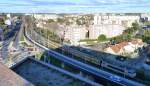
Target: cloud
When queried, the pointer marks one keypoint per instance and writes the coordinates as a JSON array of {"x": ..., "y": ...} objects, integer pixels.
[{"x": 71, "y": 6}]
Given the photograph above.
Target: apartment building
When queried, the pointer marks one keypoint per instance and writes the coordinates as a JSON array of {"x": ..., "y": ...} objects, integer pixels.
[
  {"x": 111, "y": 25},
  {"x": 145, "y": 16},
  {"x": 123, "y": 20},
  {"x": 75, "y": 33},
  {"x": 109, "y": 30}
]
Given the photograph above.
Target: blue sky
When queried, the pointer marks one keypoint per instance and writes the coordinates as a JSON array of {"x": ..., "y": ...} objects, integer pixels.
[{"x": 74, "y": 6}]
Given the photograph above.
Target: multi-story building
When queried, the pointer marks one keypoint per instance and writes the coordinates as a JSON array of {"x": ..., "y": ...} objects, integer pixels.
[
  {"x": 123, "y": 20},
  {"x": 109, "y": 30},
  {"x": 111, "y": 25},
  {"x": 75, "y": 33},
  {"x": 145, "y": 16}
]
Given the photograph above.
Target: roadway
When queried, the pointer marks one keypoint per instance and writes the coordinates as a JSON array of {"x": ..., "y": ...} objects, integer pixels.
[
  {"x": 85, "y": 67},
  {"x": 8, "y": 38},
  {"x": 18, "y": 36}
]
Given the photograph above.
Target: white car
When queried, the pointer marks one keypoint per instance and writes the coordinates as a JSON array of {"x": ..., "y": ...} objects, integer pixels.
[{"x": 115, "y": 78}]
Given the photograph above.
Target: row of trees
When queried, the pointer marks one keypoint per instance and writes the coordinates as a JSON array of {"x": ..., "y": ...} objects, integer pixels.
[{"x": 48, "y": 34}]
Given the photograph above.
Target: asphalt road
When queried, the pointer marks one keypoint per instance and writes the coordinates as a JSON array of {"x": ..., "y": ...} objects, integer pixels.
[
  {"x": 18, "y": 36},
  {"x": 8, "y": 38}
]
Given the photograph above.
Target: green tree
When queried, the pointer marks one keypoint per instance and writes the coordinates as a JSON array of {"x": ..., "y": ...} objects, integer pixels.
[
  {"x": 135, "y": 26},
  {"x": 68, "y": 23},
  {"x": 102, "y": 38},
  {"x": 1, "y": 21},
  {"x": 81, "y": 21},
  {"x": 60, "y": 20},
  {"x": 146, "y": 39},
  {"x": 50, "y": 20}
]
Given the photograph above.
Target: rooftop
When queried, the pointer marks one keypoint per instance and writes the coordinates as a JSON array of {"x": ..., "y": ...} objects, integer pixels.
[
  {"x": 117, "y": 47},
  {"x": 9, "y": 78}
]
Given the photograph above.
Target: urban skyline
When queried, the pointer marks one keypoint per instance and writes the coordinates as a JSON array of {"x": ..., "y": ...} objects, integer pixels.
[{"x": 74, "y": 43}]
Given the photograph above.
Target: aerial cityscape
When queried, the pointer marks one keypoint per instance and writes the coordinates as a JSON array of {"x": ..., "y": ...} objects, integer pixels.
[{"x": 74, "y": 43}]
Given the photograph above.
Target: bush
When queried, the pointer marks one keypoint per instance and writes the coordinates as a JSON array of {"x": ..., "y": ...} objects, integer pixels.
[
  {"x": 60, "y": 20},
  {"x": 50, "y": 20},
  {"x": 146, "y": 39},
  {"x": 102, "y": 38}
]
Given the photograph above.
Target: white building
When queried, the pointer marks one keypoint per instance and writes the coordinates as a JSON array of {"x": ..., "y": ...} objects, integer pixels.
[
  {"x": 111, "y": 25},
  {"x": 108, "y": 30},
  {"x": 123, "y": 20},
  {"x": 146, "y": 15},
  {"x": 8, "y": 22},
  {"x": 75, "y": 33},
  {"x": 8, "y": 16}
]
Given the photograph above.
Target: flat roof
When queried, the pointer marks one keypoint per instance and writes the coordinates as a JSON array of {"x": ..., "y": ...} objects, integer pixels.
[
  {"x": 42, "y": 74},
  {"x": 10, "y": 78}
]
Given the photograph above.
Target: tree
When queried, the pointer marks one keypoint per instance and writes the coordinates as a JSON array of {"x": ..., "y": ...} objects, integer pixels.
[
  {"x": 81, "y": 21},
  {"x": 30, "y": 21},
  {"x": 1, "y": 21},
  {"x": 135, "y": 26},
  {"x": 50, "y": 20},
  {"x": 60, "y": 20},
  {"x": 146, "y": 39},
  {"x": 102, "y": 38},
  {"x": 68, "y": 23}
]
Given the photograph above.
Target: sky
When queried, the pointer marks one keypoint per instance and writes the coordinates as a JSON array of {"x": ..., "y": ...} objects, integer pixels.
[{"x": 75, "y": 6}]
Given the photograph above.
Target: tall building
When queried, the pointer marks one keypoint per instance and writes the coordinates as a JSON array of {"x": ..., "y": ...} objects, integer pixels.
[
  {"x": 111, "y": 25},
  {"x": 75, "y": 33},
  {"x": 108, "y": 30}
]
